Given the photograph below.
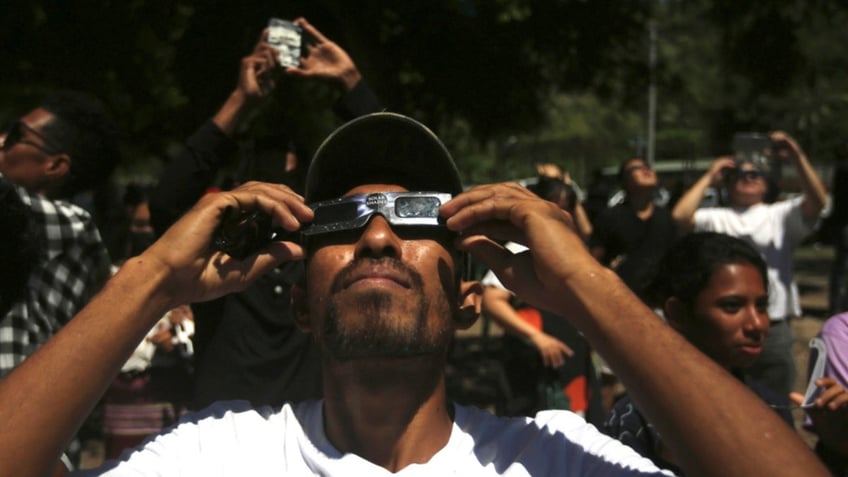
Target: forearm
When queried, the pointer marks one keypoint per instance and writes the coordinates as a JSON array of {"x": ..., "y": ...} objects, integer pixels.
[
  {"x": 582, "y": 222},
  {"x": 815, "y": 194},
  {"x": 684, "y": 211},
  {"x": 349, "y": 79},
  {"x": 232, "y": 112},
  {"x": 358, "y": 101},
  {"x": 711, "y": 421},
  {"x": 45, "y": 400},
  {"x": 505, "y": 315}
]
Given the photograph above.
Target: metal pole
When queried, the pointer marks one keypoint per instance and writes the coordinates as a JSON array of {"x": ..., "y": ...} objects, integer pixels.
[{"x": 652, "y": 92}]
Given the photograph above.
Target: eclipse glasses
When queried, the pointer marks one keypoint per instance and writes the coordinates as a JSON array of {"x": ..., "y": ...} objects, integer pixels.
[{"x": 241, "y": 234}]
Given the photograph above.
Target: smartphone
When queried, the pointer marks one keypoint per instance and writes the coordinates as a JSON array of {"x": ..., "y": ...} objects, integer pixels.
[
  {"x": 754, "y": 147},
  {"x": 818, "y": 360},
  {"x": 285, "y": 36}
]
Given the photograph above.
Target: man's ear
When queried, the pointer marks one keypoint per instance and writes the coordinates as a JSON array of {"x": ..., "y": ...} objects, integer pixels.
[
  {"x": 57, "y": 167},
  {"x": 675, "y": 313},
  {"x": 300, "y": 308},
  {"x": 470, "y": 306}
]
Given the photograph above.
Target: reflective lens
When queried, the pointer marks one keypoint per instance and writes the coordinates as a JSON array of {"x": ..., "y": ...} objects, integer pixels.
[
  {"x": 398, "y": 208},
  {"x": 749, "y": 174}
]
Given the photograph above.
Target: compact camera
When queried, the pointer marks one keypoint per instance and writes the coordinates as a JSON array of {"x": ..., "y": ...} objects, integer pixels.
[
  {"x": 759, "y": 149},
  {"x": 286, "y": 37},
  {"x": 753, "y": 147}
]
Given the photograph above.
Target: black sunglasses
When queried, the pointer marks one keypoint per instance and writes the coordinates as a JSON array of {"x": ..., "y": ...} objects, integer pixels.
[
  {"x": 15, "y": 135},
  {"x": 748, "y": 174},
  {"x": 640, "y": 167}
]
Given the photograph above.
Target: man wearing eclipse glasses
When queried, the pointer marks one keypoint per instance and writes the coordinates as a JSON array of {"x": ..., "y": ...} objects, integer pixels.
[
  {"x": 775, "y": 230},
  {"x": 383, "y": 297}
]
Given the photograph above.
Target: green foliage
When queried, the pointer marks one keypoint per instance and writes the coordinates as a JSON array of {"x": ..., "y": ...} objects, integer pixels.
[{"x": 507, "y": 83}]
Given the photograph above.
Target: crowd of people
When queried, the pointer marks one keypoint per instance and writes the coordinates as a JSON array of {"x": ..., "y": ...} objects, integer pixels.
[{"x": 320, "y": 347}]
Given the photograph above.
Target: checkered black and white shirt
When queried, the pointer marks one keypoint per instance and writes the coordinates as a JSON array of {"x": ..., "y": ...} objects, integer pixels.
[{"x": 73, "y": 267}]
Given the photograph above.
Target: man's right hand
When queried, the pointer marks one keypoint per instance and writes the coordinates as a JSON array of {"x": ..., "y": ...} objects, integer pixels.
[
  {"x": 198, "y": 272},
  {"x": 489, "y": 214}
]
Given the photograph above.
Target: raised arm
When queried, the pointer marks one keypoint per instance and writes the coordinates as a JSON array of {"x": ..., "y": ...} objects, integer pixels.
[
  {"x": 582, "y": 222},
  {"x": 684, "y": 211},
  {"x": 188, "y": 175},
  {"x": 255, "y": 83},
  {"x": 45, "y": 399},
  {"x": 815, "y": 194},
  {"x": 712, "y": 422},
  {"x": 496, "y": 305},
  {"x": 328, "y": 61}
]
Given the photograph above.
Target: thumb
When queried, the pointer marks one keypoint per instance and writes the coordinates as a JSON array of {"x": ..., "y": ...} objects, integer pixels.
[{"x": 796, "y": 398}]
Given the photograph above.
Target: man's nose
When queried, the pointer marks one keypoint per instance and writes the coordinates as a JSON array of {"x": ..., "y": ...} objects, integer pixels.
[{"x": 378, "y": 240}]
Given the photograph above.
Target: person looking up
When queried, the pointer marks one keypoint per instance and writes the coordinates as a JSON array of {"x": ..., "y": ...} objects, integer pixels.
[
  {"x": 64, "y": 146},
  {"x": 247, "y": 345},
  {"x": 632, "y": 236}
]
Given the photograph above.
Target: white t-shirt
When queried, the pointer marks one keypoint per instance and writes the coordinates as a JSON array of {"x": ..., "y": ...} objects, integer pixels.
[
  {"x": 774, "y": 230},
  {"x": 232, "y": 439}
]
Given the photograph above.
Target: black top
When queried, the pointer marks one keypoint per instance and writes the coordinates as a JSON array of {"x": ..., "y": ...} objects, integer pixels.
[
  {"x": 627, "y": 424},
  {"x": 637, "y": 244},
  {"x": 247, "y": 345}
]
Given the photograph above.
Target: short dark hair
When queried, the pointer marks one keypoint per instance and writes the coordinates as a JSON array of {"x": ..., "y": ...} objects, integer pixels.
[
  {"x": 622, "y": 169},
  {"x": 82, "y": 129},
  {"x": 688, "y": 265},
  {"x": 549, "y": 188},
  {"x": 21, "y": 249}
]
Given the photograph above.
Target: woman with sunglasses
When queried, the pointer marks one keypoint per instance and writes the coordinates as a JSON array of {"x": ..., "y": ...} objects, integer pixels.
[{"x": 774, "y": 229}]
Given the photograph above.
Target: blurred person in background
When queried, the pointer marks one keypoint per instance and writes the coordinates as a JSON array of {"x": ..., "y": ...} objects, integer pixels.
[
  {"x": 154, "y": 386},
  {"x": 547, "y": 361},
  {"x": 66, "y": 145},
  {"x": 247, "y": 345},
  {"x": 566, "y": 196},
  {"x": 632, "y": 237},
  {"x": 54, "y": 262}
]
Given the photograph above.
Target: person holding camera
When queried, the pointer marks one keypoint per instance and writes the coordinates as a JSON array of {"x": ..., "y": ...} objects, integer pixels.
[
  {"x": 775, "y": 230},
  {"x": 246, "y": 344}
]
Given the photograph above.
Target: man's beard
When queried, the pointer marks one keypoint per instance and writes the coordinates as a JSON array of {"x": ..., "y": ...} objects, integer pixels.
[{"x": 384, "y": 327}]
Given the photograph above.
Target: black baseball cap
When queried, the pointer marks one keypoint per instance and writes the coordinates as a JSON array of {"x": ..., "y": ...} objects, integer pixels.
[{"x": 381, "y": 148}]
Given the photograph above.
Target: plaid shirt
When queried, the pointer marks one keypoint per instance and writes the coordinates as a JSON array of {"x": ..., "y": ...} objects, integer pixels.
[{"x": 72, "y": 269}]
